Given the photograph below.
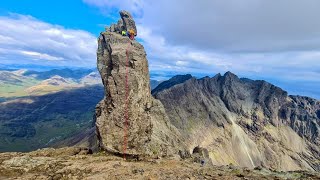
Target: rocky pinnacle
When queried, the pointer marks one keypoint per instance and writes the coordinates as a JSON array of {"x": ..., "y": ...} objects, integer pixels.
[
  {"x": 126, "y": 23},
  {"x": 123, "y": 66}
]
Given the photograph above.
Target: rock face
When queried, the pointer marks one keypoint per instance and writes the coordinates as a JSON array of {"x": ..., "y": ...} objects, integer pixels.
[
  {"x": 126, "y": 23},
  {"x": 245, "y": 122},
  {"x": 129, "y": 120}
]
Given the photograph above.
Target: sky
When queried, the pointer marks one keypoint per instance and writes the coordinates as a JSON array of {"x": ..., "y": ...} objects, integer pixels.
[{"x": 277, "y": 41}]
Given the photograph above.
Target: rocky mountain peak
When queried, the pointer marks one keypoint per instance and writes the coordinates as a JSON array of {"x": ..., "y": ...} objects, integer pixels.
[
  {"x": 56, "y": 80},
  {"x": 126, "y": 23},
  {"x": 229, "y": 76},
  {"x": 217, "y": 75},
  {"x": 178, "y": 79},
  {"x": 265, "y": 126}
]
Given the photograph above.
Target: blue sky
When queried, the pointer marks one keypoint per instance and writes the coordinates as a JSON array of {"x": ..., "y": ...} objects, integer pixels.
[
  {"x": 73, "y": 14},
  {"x": 278, "y": 41}
]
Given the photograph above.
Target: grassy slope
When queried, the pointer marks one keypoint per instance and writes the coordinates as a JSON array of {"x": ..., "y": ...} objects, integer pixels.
[
  {"x": 17, "y": 90},
  {"x": 46, "y": 119}
]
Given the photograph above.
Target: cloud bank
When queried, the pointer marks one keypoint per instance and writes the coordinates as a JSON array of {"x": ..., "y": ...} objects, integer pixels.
[{"x": 24, "y": 39}]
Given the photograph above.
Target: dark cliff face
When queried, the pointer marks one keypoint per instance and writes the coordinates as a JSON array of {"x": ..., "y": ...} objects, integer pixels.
[
  {"x": 171, "y": 82},
  {"x": 235, "y": 94},
  {"x": 263, "y": 111},
  {"x": 302, "y": 115}
]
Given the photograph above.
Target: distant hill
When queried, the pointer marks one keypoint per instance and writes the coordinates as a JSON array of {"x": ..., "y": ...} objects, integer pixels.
[
  {"x": 65, "y": 73},
  {"x": 154, "y": 83},
  {"x": 38, "y": 121},
  {"x": 19, "y": 83},
  {"x": 37, "y": 109},
  {"x": 13, "y": 83},
  {"x": 49, "y": 108},
  {"x": 54, "y": 84},
  {"x": 92, "y": 78},
  {"x": 171, "y": 82},
  {"x": 33, "y": 67}
]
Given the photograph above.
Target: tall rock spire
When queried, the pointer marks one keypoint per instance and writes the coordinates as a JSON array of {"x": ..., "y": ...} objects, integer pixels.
[{"x": 128, "y": 119}]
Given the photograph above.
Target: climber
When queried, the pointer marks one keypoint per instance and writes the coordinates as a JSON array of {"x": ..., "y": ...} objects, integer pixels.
[
  {"x": 124, "y": 33},
  {"x": 131, "y": 34}
]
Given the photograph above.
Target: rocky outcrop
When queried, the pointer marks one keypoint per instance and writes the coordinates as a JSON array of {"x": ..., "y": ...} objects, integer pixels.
[
  {"x": 129, "y": 120},
  {"x": 245, "y": 122},
  {"x": 126, "y": 23}
]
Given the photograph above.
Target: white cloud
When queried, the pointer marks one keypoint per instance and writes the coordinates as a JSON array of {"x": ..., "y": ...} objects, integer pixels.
[
  {"x": 134, "y": 6},
  {"x": 162, "y": 54},
  {"x": 182, "y": 63},
  {"x": 24, "y": 38},
  {"x": 237, "y": 25},
  {"x": 41, "y": 56}
]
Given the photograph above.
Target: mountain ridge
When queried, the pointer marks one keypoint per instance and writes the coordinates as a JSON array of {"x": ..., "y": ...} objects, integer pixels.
[{"x": 256, "y": 110}]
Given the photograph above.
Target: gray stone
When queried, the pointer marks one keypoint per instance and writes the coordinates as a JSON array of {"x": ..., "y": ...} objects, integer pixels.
[
  {"x": 254, "y": 123},
  {"x": 147, "y": 130},
  {"x": 128, "y": 21}
]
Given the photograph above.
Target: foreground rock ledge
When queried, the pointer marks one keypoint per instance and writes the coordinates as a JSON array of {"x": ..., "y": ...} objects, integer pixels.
[{"x": 75, "y": 163}]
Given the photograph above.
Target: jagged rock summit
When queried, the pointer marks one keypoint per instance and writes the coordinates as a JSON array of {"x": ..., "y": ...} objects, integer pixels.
[
  {"x": 124, "y": 70},
  {"x": 244, "y": 122},
  {"x": 126, "y": 23}
]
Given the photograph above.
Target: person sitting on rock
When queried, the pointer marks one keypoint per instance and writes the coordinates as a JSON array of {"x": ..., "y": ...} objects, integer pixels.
[
  {"x": 123, "y": 33},
  {"x": 131, "y": 34}
]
